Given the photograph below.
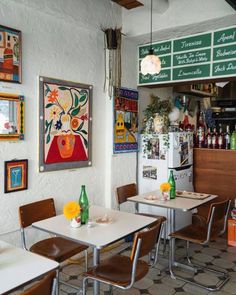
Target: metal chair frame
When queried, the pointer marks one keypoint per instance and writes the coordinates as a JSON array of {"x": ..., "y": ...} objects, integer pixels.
[
  {"x": 134, "y": 266},
  {"x": 24, "y": 246},
  {"x": 223, "y": 275},
  {"x": 164, "y": 226}
]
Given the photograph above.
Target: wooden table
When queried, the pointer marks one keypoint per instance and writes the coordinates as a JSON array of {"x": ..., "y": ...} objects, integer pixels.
[
  {"x": 99, "y": 235},
  {"x": 179, "y": 203},
  {"x": 19, "y": 267}
]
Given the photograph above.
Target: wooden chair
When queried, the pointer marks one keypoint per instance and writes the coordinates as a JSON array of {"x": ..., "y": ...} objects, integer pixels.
[
  {"x": 130, "y": 190},
  {"x": 122, "y": 271},
  {"x": 55, "y": 248},
  {"x": 200, "y": 218},
  {"x": 203, "y": 235},
  {"x": 47, "y": 286}
]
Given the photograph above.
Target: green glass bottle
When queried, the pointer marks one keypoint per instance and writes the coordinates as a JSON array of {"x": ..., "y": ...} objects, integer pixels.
[
  {"x": 84, "y": 205},
  {"x": 233, "y": 140},
  {"x": 171, "y": 181}
]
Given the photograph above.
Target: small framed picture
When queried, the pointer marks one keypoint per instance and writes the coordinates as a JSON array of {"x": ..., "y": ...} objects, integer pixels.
[
  {"x": 16, "y": 175},
  {"x": 10, "y": 55}
]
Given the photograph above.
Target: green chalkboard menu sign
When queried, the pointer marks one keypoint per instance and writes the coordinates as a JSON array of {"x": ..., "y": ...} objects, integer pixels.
[{"x": 196, "y": 57}]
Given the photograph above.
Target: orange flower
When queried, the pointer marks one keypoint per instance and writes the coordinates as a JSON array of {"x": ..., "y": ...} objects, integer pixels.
[
  {"x": 165, "y": 187},
  {"x": 74, "y": 123},
  {"x": 71, "y": 210},
  {"x": 52, "y": 97}
]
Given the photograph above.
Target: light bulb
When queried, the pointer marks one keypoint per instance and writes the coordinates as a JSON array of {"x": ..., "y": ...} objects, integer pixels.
[{"x": 151, "y": 64}]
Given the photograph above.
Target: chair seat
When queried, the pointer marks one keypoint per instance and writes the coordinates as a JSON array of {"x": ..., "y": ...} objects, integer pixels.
[
  {"x": 117, "y": 270},
  {"x": 159, "y": 217},
  {"x": 194, "y": 234},
  {"x": 57, "y": 248}
]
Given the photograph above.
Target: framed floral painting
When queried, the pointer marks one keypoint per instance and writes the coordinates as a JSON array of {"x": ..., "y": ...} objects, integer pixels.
[
  {"x": 10, "y": 55},
  {"x": 65, "y": 125},
  {"x": 16, "y": 175}
]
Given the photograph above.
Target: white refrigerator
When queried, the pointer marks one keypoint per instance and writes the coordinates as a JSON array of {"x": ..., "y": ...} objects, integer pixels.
[{"x": 158, "y": 155}]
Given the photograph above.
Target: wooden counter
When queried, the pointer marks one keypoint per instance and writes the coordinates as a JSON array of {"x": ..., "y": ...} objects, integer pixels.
[{"x": 215, "y": 172}]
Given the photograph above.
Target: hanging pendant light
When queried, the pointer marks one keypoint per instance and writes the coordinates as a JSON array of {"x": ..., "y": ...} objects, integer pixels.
[{"x": 151, "y": 63}]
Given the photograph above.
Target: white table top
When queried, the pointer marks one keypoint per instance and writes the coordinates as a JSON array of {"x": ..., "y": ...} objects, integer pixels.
[
  {"x": 178, "y": 203},
  {"x": 18, "y": 267},
  {"x": 99, "y": 235}
]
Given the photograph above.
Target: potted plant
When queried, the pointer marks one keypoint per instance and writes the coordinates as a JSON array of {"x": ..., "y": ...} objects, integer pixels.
[{"x": 156, "y": 115}]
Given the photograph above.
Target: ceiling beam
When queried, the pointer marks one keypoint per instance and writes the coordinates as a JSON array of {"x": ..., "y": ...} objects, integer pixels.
[
  {"x": 232, "y": 3},
  {"x": 128, "y": 4}
]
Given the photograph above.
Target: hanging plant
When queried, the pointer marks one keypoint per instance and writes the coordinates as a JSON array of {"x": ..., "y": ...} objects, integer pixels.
[{"x": 112, "y": 40}]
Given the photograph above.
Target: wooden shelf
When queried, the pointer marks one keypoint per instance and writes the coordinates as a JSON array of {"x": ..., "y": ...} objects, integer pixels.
[
  {"x": 188, "y": 89},
  {"x": 214, "y": 172}
]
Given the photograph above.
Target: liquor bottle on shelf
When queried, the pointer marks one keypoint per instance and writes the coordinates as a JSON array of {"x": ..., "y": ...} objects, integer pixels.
[
  {"x": 208, "y": 139},
  {"x": 200, "y": 132},
  {"x": 227, "y": 138},
  {"x": 171, "y": 181},
  {"x": 8, "y": 55},
  {"x": 233, "y": 140},
  {"x": 84, "y": 205},
  {"x": 214, "y": 139},
  {"x": 221, "y": 138}
]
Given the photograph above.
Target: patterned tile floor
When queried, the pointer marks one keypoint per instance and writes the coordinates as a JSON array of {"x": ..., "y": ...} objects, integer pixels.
[{"x": 158, "y": 280}]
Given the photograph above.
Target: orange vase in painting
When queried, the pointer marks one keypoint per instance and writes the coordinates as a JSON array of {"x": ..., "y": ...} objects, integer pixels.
[
  {"x": 66, "y": 144},
  {"x": 66, "y": 148}
]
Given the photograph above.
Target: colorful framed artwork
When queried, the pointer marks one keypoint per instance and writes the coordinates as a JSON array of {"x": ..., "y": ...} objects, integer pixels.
[
  {"x": 65, "y": 125},
  {"x": 11, "y": 117},
  {"x": 16, "y": 175},
  {"x": 10, "y": 55},
  {"x": 125, "y": 137}
]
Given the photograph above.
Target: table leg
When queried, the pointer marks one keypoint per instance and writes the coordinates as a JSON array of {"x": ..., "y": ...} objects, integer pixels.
[
  {"x": 172, "y": 244},
  {"x": 96, "y": 260},
  {"x": 172, "y": 229},
  {"x": 136, "y": 207}
]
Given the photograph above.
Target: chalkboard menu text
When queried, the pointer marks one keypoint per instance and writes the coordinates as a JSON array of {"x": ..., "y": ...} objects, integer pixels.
[{"x": 197, "y": 57}]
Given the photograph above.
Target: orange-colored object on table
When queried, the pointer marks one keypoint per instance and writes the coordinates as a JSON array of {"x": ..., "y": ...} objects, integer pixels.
[{"x": 232, "y": 232}]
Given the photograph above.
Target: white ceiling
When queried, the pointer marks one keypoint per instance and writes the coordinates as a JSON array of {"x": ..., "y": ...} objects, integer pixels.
[
  {"x": 159, "y": 6},
  {"x": 176, "y": 15}
]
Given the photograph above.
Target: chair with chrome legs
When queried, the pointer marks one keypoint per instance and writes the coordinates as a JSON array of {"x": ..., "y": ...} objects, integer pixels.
[
  {"x": 47, "y": 286},
  {"x": 203, "y": 234},
  {"x": 200, "y": 218},
  {"x": 122, "y": 271},
  {"x": 55, "y": 248},
  {"x": 130, "y": 190}
]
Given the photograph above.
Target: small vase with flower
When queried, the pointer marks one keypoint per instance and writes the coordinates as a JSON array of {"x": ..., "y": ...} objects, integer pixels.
[
  {"x": 165, "y": 191},
  {"x": 71, "y": 211}
]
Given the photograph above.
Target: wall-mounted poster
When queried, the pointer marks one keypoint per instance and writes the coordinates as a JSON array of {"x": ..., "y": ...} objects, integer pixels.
[
  {"x": 65, "y": 125},
  {"x": 10, "y": 55},
  {"x": 16, "y": 175},
  {"x": 125, "y": 120},
  {"x": 150, "y": 172}
]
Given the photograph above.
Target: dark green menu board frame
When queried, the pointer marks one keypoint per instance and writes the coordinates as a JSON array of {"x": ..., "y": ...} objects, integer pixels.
[{"x": 197, "y": 57}]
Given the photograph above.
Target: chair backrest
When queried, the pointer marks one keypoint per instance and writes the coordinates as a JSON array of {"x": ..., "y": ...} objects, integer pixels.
[
  {"x": 126, "y": 191},
  {"x": 148, "y": 238},
  {"x": 44, "y": 287},
  {"x": 217, "y": 217},
  {"x": 36, "y": 211}
]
